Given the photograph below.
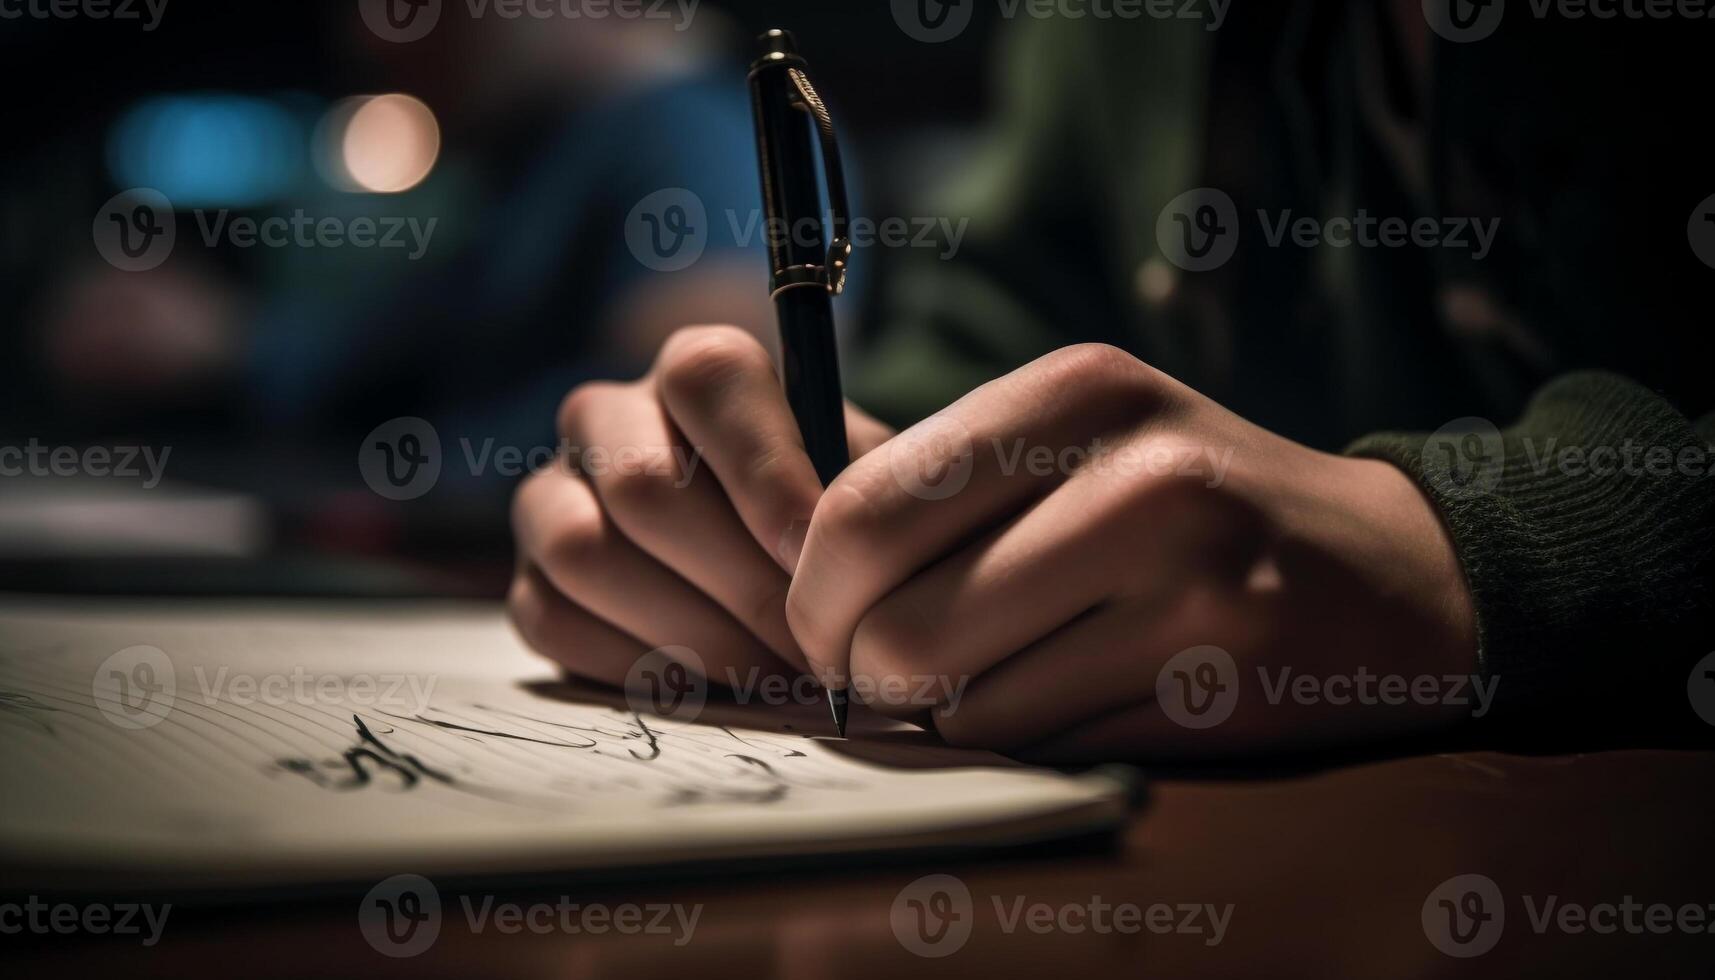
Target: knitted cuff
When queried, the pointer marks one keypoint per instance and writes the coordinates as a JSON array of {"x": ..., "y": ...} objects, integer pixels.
[{"x": 1585, "y": 534}]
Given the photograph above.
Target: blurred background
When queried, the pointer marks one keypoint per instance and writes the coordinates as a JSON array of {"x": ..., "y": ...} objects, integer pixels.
[{"x": 448, "y": 243}]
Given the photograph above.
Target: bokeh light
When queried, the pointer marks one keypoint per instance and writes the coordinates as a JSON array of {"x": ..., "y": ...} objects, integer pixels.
[
  {"x": 380, "y": 144},
  {"x": 208, "y": 149}
]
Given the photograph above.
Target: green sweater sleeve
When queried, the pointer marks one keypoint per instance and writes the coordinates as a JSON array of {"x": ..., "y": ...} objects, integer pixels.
[{"x": 1585, "y": 532}]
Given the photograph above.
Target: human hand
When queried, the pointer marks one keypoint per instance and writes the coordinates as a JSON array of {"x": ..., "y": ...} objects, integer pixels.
[
  {"x": 1051, "y": 558},
  {"x": 678, "y": 505}
]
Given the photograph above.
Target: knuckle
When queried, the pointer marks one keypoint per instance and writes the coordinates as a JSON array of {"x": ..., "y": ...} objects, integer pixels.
[
  {"x": 849, "y": 513},
  {"x": 1091, "y": 360},
  {"x": 630, "y": 493},
  {"x": 1104, "y": 373},
  {"x": 577, "y": 541},
  {"x": 699, "y": 362}
]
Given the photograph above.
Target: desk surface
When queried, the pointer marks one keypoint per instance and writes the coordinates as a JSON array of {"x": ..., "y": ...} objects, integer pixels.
[{"x": 1326, "y": 875}]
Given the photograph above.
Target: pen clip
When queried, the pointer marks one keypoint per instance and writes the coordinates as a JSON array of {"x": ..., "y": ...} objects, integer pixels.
[{"x": 840, "y": 246}]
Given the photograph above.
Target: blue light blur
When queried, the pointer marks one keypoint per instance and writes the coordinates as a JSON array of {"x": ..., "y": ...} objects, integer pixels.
[{"x": 209, "y": 149}]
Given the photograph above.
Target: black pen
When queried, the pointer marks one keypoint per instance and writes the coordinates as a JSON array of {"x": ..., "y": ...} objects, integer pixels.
[{"x": 807, "y": 260}]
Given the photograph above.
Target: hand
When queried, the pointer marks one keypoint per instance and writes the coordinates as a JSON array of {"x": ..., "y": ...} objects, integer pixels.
[
  {"x": 673, "y": 518},
  {"x": 1032, "y": 557}
]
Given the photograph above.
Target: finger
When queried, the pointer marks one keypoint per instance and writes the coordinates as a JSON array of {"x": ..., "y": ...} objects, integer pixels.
[
  {"x": 864, "y": 433},
  {"x": 1089, "y": 667},
  {"x": 561, "y": 529},
  {"x": 555, "y": 627},
  {"x": 650, "y": 485},
  {"x": 1110, "y": 659},
  {"x": 1017, "y": 584},
  {"x": 719, "y": 387},
  {"x": 946, "y": 479}
]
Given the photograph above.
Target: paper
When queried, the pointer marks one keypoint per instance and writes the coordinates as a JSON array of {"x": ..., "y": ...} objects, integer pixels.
[{"x": 292, "y": 742}]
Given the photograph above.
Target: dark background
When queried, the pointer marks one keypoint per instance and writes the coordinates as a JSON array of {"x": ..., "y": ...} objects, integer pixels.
[{"x": 903, "y": 108}]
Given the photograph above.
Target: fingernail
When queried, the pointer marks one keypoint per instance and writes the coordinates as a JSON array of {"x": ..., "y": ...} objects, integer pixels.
[{"x": 792, "y": 544}]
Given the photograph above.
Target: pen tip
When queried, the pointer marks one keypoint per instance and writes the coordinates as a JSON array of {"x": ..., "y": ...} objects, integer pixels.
[{"x": 837, "y": 704}]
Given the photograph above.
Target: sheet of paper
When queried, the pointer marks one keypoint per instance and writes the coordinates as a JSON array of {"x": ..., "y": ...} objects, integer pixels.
[{"x": 293, "y": 742}]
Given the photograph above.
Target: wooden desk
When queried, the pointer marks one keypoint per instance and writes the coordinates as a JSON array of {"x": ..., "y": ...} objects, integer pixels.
[{"x": 1326, "y": 874}]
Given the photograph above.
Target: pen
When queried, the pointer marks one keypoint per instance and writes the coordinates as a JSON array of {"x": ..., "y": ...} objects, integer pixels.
[{"x": 807, "y": 261}]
